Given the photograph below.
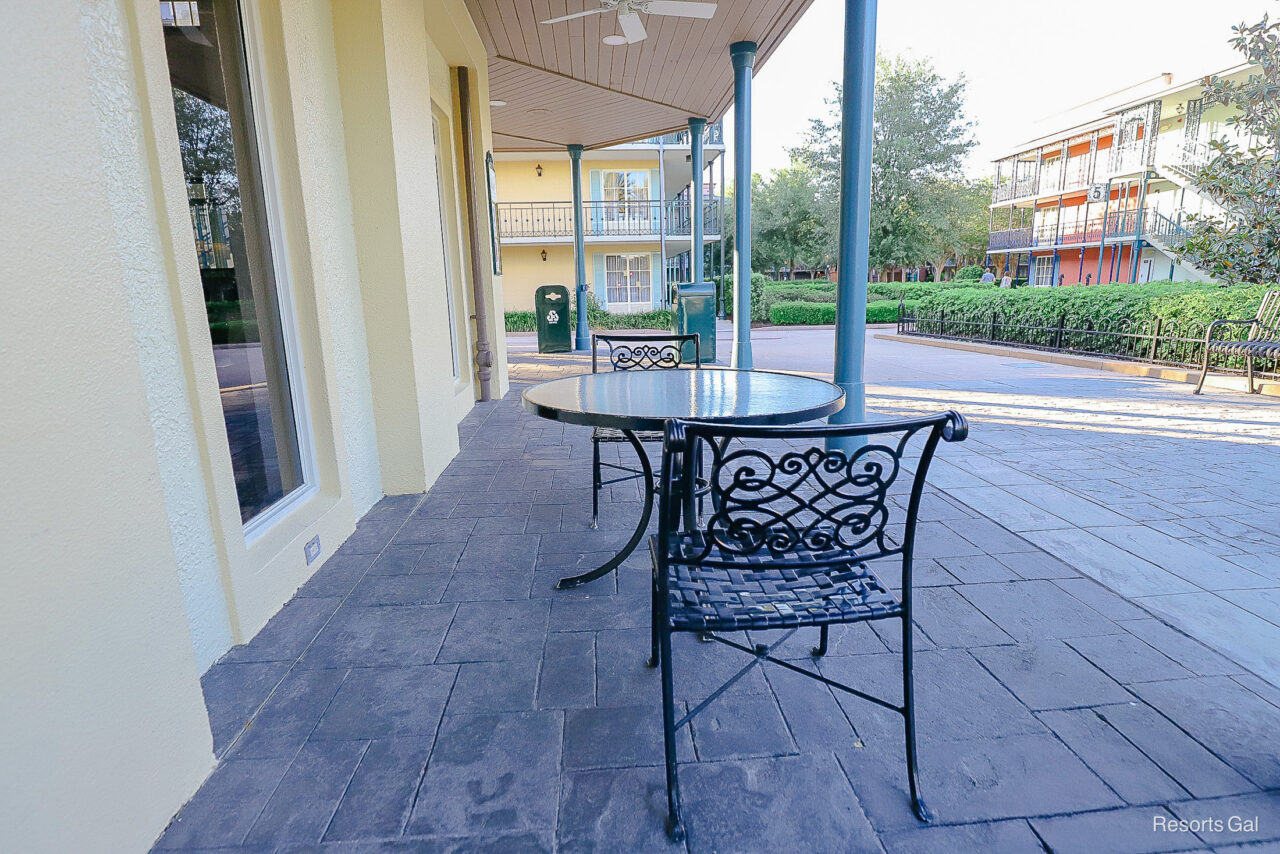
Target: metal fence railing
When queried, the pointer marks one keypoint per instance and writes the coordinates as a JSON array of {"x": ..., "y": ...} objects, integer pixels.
[
  {"x": 636, "y": 218},
  {"x": 1157, "y": 341}
]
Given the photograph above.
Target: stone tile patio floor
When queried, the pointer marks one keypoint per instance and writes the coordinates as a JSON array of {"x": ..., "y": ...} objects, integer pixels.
[{"x": 428, "y": 690}]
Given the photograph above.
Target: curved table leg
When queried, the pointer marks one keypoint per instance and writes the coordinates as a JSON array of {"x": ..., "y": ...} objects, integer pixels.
[{"x": 645, "y": 514}]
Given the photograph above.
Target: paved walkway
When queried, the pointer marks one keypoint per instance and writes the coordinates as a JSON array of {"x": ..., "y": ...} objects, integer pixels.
[{"x": 428, "y": 690}]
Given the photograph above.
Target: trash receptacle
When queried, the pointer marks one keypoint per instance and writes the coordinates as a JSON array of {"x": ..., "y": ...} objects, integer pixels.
[
  {"x": 695, "y": 312},
  {"x": 551, "y": 305}
]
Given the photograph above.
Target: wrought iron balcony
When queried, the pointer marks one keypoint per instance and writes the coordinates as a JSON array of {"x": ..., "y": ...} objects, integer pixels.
[
  {"x": 639, "y": 219},
  {"x": 712, "y": 135},
  {"x": 1013, "y": 238},
  {"x": 1120, "y": 225}
]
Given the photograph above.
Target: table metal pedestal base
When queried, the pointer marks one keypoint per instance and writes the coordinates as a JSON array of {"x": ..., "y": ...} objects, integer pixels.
[{"x": 646, "y": 513}]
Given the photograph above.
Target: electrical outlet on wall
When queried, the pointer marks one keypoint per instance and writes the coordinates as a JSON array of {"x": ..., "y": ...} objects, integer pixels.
[{"x": 312, "y": 549}]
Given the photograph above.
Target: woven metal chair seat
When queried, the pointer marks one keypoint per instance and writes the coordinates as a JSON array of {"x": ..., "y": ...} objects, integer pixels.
[
  {"x": 1264, "y": 349},
  {"x": 729, "y": 592},
  {"x": 611, "y": 434}
]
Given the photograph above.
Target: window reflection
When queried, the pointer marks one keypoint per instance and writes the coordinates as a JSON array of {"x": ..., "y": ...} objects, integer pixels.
[{"x": 211, "y": 102}]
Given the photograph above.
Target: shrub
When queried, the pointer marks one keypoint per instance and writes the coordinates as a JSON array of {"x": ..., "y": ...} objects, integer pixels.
[
  {"x": 759, "y": 311},
  {"x": 969, "y": 274},
  {"x": 1181, "y": 302},
  {"x": 820, "y": 313},
  {"x": 886, "y": 311},
  {"x": 803, "y": 313},
  {"x": 900, "y": 290},
  {"x": 233, "y": 331},
  {"x": 597, "y": 318},
  {"x": 521, "y": 321}
]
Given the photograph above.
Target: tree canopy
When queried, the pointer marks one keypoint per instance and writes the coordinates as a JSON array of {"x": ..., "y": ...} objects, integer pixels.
[
  {"x": 1242, "y": 244},
  {"x": 787, "y": 225},
  {"x": 920, "y": 136}
]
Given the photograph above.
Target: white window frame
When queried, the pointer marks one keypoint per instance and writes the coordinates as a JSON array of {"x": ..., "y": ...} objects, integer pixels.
[
  {"x": 1043, "y": 272},
  {"x": 268, "y": 145},
  {"x": 631, "y": 264},
  {"x": 450, "y": 293}
]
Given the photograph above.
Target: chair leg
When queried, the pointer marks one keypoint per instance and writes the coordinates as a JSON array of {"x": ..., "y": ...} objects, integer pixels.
[
  {"x": 595, "y": 483},
  {"x": 1204, "y": 370},
  {"x": 821, "y": 649},
  {"x": 909, "y": 718},
  {"x": 654, "y": 616},
  {"x": 675, "y": 826},
  {"x": 1248, "y": 366}
]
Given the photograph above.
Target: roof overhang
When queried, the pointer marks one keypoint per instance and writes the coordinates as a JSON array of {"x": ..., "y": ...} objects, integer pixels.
[{"x": 562, "y": 85}]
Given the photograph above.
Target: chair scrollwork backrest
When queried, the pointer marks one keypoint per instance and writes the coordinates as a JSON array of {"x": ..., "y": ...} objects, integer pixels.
[
  {"x": 645, "y": 352},
  {"x": 780, "y": 498}
]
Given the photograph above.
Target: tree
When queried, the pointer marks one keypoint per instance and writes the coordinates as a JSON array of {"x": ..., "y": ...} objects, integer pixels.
[
  {"x": 1242, "y": 244},
  {"x": 207, "y": 148},
  {"x": 919, "y": 136},
  {"x": 954, "y": 217},
  {"x": 786, "y": 222}
]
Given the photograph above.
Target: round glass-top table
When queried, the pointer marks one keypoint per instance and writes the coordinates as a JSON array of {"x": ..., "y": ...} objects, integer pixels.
[{"x": 646, "y": 400}]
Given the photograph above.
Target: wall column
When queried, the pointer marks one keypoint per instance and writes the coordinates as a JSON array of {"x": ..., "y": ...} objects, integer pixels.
[
  {"x": 743, "y": 55},
  {"x": 855, "y": 209},
  {"x": 696, "y": 129},
  {"x": 582, "y": 336}
]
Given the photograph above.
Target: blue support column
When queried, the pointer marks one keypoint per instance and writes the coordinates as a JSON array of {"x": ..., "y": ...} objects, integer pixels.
[
  {"x": 855, "y": 208},
  {"x": 696, "y": 129},
  {"x": 582, "y": 337},
  {"x": 743, "y": 55}
]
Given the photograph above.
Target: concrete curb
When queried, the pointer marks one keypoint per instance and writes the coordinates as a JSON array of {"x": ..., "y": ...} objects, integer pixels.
[{"x": 1118, "y": 366}]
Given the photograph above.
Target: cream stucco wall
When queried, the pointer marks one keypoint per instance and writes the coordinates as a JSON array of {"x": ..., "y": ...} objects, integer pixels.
[
  {"x": 128, "y": 570},
  {"x": 518, "y": 180},
  {"x": 523, "y": 269},
  {"x": 100, "y": 703}
]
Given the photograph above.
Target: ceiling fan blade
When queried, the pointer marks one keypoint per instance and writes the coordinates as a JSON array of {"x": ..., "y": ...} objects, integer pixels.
[
  {"x": 680, "y": 8},
  {"x": 575, "y": 15},
  {"x": 632, "y": 27}
]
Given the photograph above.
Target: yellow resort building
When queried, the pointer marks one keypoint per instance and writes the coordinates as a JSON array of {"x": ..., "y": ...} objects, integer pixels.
[
  {"x": 254, "y": 286},
  {"x": 636, "y": 215}
]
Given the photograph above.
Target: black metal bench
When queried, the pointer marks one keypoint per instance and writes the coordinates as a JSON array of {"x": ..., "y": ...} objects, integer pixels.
[{"x": 1263, "y": 341}]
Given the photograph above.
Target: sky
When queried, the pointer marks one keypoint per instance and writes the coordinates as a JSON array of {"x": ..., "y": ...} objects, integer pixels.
[{"x": 1024, "y": 61}]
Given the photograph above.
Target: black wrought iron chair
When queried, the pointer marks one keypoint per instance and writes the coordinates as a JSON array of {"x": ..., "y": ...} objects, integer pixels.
[
  {"x": 789, "y": 543},
  {"x": 633, "y": 352}
]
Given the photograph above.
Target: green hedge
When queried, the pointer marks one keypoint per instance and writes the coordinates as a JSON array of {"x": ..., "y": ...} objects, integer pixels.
[
  {"x": 597, "y": 319},
  {"x": 233, "y": 331},
  {"x": 822, "y": 313},
  {"x": 1186, "y": 303},
  {"x": 803, "y": 313},
  {"x": 759, "y": 307},
  {"x": 972, "y": 273}
]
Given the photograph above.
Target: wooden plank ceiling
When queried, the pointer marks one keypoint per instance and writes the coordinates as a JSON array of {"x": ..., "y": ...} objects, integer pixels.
[{"x": 563, "y": 85}]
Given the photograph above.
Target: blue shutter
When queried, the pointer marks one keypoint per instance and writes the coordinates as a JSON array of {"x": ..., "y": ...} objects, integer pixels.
[
  {"x": 594, "y": 223},
  {"x": 658, "y": 279},
  {"x": 598, "y": 284}
]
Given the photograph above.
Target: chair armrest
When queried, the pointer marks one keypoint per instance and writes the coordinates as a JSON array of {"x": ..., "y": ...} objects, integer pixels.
[
  {"x": 1208, "y": 335},
  {"x": 957, "y": 427}
]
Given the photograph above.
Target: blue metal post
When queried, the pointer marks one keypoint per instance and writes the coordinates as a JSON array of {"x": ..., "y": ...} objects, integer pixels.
[
  {"x": 582, "y": 336},
  {"x": 743, "y": 55},
  {"x": 855, "y": 209},
  {"x": 696, "y": 129}
]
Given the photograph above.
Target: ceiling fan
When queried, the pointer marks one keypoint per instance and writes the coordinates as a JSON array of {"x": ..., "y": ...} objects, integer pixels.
[{"x": 629, "y": 18}]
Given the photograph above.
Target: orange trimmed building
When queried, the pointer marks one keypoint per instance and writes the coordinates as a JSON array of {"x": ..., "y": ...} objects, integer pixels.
[{"x": 1105, "y": 195}]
